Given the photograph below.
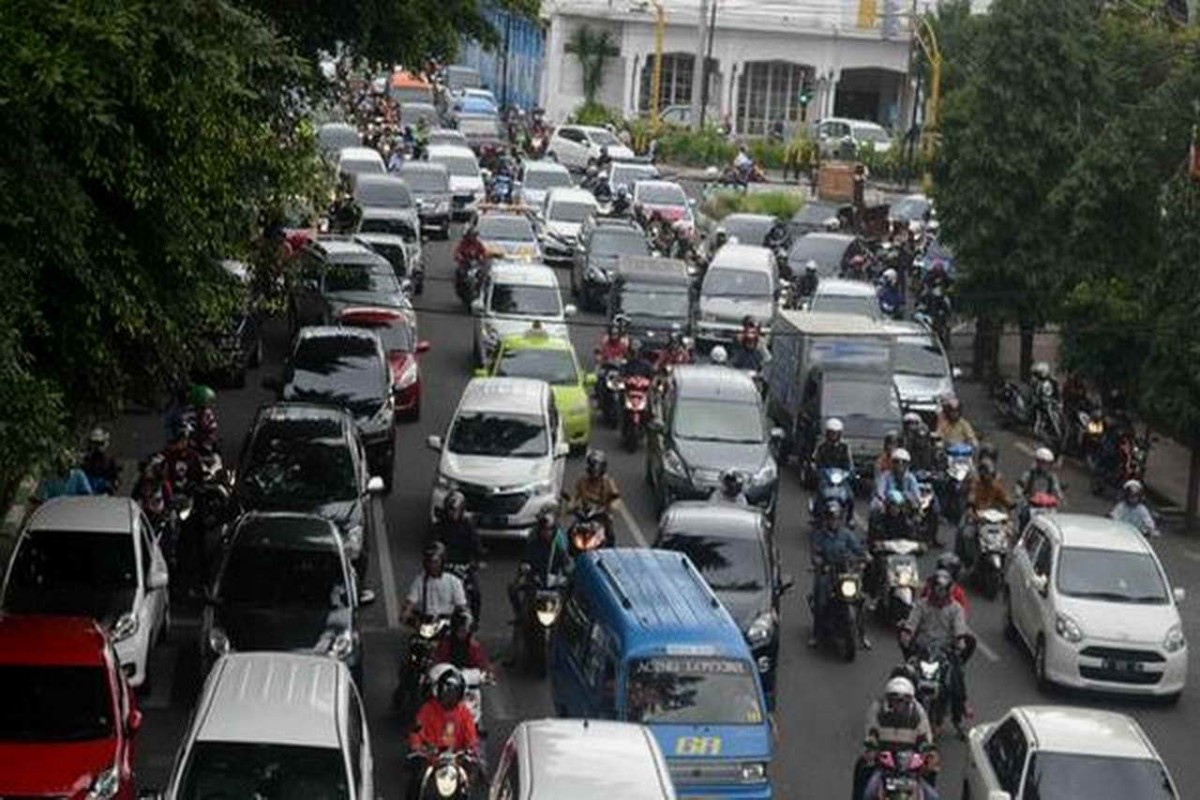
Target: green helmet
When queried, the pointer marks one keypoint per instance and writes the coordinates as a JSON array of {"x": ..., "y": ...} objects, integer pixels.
[{"x": 201, "y": 396}]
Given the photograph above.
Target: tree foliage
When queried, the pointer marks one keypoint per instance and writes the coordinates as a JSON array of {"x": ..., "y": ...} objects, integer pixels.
[{"x": 592, "y": 50}]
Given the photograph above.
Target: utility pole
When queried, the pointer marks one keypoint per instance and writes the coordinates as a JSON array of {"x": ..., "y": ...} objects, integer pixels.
[
  {"x": 698, "y": 68},
  {"x": 712, "y": 34},
  {"x": 504, "y": 66}
]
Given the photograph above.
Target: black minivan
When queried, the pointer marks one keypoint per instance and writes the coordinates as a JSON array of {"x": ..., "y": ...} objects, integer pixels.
[{"x": 655, "y": 295}]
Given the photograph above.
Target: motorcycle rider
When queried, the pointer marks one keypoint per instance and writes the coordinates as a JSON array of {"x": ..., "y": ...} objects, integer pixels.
[
  {"x": 1132, "y": 509},
  {"x": 66, "y": 480},
  {"x": 545, "y": 554},
  {"x": 731, "y": 490},
  {"x": 637, "y": 363},
  {"x": 457, "y": 533},
  {"x": 470, "y": 249},
  {"x": 953, "y": 427},
  {"x": 743, "y": 164},
  {"x": 444, "y": 722},
  {"x": 891, "y": 300},
  {"x": 677, "y": 351},
  {"x": 952, "y": 565},
  {"x": 831, "y": 452},
  {"x": 183, "y": 466},
  {"x": 806, "y": 286},
  {"x": 900, "y": 479},
  {"x": 894, "y": 522},
  {"x": 434, "y": 592},
  {"x": 621, "y": 201},
  {"x": 596, "y": 489},
  {"x": 895, "y": 722},
  {"x": 614, "y": 345},
  {"x": 936, "y": 621},
  {"x": 749, "y": 350},
  {"x": 604, "y": 160},
  {"x": 1041, "y": 477},
  {"x": 461, "y": 648},
  {"x": 883, "y": 464},
  {"x": 102, "y": 470},
  {"x": 986, "y": 490},
  {"x": 1039, "y": 374},
  {"x": 832, "y": 544}
]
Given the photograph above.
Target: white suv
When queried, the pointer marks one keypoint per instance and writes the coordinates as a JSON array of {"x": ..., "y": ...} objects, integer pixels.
[
  {"x": 505, "y": 451},
  {"x": 1091, "y": 601},
  {"x": 295, "y": 721},
  {"x": 576, "y": 146},
  {"x": 1058, "y": 751},
  {"x": 512, "y": 297}
]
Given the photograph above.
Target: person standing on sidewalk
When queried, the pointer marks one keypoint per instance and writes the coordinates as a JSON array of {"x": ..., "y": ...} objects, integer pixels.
[{"x": 1131, "y": 509}]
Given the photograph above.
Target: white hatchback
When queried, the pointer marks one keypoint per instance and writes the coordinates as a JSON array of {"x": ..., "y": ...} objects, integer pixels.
[
  {"x": 1090, "y": 599},
  {"x": 1059, "y": 752}
]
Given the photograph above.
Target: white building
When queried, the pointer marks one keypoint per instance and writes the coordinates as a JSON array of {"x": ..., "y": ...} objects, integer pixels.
[{"x": 852, "y": 54}]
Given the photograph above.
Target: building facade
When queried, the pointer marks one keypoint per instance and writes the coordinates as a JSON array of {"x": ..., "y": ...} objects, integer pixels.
[{"x": 513, "y": 70}]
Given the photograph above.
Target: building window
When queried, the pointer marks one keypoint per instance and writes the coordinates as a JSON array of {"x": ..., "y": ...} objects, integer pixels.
[
  {"x": 769, "y": 91},
  {"x": 678, "y": 72}
]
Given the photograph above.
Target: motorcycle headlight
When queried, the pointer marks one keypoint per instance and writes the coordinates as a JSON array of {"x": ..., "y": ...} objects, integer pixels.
[
  {"x": 754, "y": 772},
  {"x": 1095, "y": 427},
  {"x": 848, "y": 588},
  {"x": 762, "y": 629},
  {"x": 105, "y": 785},
  {"x": 673, "y": 464},
  {"x": 218, "y": 642},
  {"x": 446, "y": 780},
  {"x": 354, "y": 540},
  {"x": 1174, "y": 641},
  {"x": 342, "y": 645},
  {"x": 905, "y": 575},
  {"x": 1067, "y": 628},
  {"x": 548, "y": 607},
  {"x": 767, "y": 474},
  {"x": 125, "y": 626}
]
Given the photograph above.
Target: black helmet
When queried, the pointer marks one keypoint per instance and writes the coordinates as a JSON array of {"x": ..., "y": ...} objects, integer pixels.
[
  {"x": 749, "y": 321},
  {"x": 950, "y": 563},
  {"x": 732, "y": 483},
  {"x": 988, "y": 451},
  {"x": 891, "y": 439},
  {"x": 940, "y": 584},
  {"x": 454, "y": 504},
  {"x": 450, "y": 688},
  {"x": 987, "y": 467},
  {"x": 597, "y": 463}
]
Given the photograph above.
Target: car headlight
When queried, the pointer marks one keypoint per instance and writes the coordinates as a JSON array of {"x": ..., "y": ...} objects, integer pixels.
[
  {"x": 905, "y": 575},
  {"x": 1174, "y": 641},
  {"x": 125, "y": 626},
  {"x": 540, "y": 488},
  {"x": 754, "y": 772},
  {"x": 105, "y": 785},
  {"x": 446, "y": 780},
  {"x": 767, "y": 474},
  {"x": 761, "y": 629},
  {"x": 673, "y": 464},
  {"x": 342, "y": 645},
  {"x": 354, "y": 540},
  {"x": 1067, "y": 628},
  {"x": 218, "y": 641}
]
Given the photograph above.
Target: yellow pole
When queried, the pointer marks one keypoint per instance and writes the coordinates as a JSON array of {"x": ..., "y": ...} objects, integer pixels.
[
  {"x": 933, "y": 104},
  {"x": 660, "y": 24}
]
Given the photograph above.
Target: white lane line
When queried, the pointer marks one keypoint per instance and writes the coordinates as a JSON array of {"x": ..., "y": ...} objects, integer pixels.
[
  {"x": 1192, "y": 554},
  {"x": 987, "y": 651},
  {"x": 391, "y": 599},
  {"x": 631, "y": 523},
  {"x": 1023, "y": 447}
]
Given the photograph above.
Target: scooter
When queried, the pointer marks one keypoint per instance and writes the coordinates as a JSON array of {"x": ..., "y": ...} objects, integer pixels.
[
  {"x": 960, "y": 466},
  {"x": 467, "y": 277},
  {"x": 407, "y": 697},
  {"x": 589, "y": 530},
  {"x": 899, "y": 578},
  {"x": 448, "y": 775},
  {"x": 608, "y": 391},
  {"x": 901, "y": 771},
  {"x": 833, "y": 483},
  {"x": 635, "y": 392},
  {"x": 541, "y": 605},
  {"x": 474, "y": 679},
  {"x": 993, "y": 540},
  {"x": 840, "y": 624},
  {"x": 1047, "y": 416}
]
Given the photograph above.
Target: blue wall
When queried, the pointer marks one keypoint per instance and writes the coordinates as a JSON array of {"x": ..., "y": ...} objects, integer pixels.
[{"x": 526, "y": 48}]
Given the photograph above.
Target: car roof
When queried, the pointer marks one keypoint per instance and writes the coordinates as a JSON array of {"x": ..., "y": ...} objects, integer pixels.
[
  {"x": 1066, "y": 729},
  {"x": 1096, "y": 533},
  {"x": 714, "y": 382},
  {"x": 622, "y": 760},
  {"x": 286, "y": 530},
  {"x": 368, "y": 178},
  {"x": 331, "y": 246},
  {"x": 521, "y": 273},
  {"x": 335, "y": 332},
  {"x": 570, "y": 193},
  {"x": 94, "y": 514},
  {"x": 422, "y": 166},
  {"x": 748, "y": 257},
  {"x": 713, "y": 520},
  {"x": 449, "y": 150},
  {"x": 845, "y": 287},
  {"x": 658, "y": 183},
  {"x": 664, "y": 604},
  {"x": 294, "y": 411},
  {"x": 745, "y": 217},
  {"x": 545, "y": 165},
  {"x": 359, "y": 154},
  {"x": 504, "y": 394},
  {"x": 652, "y": 269},
  {"x": 529, "y": 340},
  {"x": 29, "y": 639},
  {"x": 276, "y": 698},
  {"x": 844, "y": 238}
]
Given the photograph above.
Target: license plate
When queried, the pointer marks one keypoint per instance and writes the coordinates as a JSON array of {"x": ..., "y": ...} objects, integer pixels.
[
  {"x": 1123, "y": 666},
  {"x": 493, "y": 521}
]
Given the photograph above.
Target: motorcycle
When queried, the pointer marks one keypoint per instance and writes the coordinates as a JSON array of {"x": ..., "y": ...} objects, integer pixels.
[
  {"x": 608, "y": 390},
  {"x": 840, "y": 622},
  {"x": 1087, "y": 435},
  {"x": 589, "y": 530},
  {"x": 898, "y": 577},
  {"x": 1047, "y": 416},
  {"x": 474, "y": 679},
  {"x": 635, "y": 391},
  {"x": 931, "y": 669},
  {"x": 1010, "y": 404},
  {"x": 501, "y": 189},
  {"x": 960, "y": 465},
  {"x": 833, "y": 483},
  {"x": 1130, "y": 464},
  {"x": 902, "y": 771},
  {"x": 925, "y": 520},
  {"x": 993, "y": 536},
  {"x": 407, "y": 697},
  {"x": 467, "y": 277},
  {"x": 541, "y": 601},
  {"x": 933, "y": 310},
  {"x": 448, "y": 775}
]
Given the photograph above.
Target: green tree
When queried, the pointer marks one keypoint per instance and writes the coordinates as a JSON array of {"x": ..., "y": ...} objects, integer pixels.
[{"x": 592, "y": 50}]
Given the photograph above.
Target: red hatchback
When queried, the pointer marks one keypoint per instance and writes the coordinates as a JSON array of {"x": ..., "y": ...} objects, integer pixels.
[
  {"x": 67, "y": 717},
  {"x": 400, "y": 342}
]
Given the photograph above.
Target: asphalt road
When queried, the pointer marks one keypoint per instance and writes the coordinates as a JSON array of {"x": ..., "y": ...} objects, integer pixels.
[{"x": 821, "y": 699}]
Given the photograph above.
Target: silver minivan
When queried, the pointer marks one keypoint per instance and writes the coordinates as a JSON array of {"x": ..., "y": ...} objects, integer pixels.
[{"x": 741, "y": 281}]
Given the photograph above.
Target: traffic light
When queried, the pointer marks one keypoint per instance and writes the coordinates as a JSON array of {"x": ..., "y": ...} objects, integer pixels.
[{"x": 805, "y": 97}]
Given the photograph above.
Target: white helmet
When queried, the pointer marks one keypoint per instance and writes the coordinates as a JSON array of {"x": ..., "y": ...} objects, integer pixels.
[
  {"x": 915, "y": 226},
  {"x": 1043, "y": 454},
  {"x": 889, "y": 275},
  {"x": 1041, "y": 369},
  {"x": 900, "y": 454},
  {"x": 810, "y": 265},
  {"x": 933, "y": 225},
  {"x": 833, "y": 425},
  {"x": 900, "y": 686},
  {"x": 1133, "y": 486},
  {"x": 718, "y": 355}
]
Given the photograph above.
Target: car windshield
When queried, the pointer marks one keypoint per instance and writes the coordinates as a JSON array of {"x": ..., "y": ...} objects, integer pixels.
[
  {"x": 862, "y": 305},
  {"x": 477, "y": 126},
  {"x": 447, "y": 137},
  {"x": 361, "y": 278},
  {"x": 612, "y": 243},
  {"x": 570, "y": 211},
  {"x": 392, "y": 225},
  {"x": 736, "y": 283},
  {"x": 603, "y": 138},
  {"x": 498, "y": 435},
  {"x": 1057, "y": 775},
  {"x": 827, "y": 253},
  {"x": 871, "y": 133},
  {"x": 748, "y": 230},
  {"x": 648, "y": 300},
  {"x": 1110, "y": 575},
  {"x": 553, "y": 366},
  {"x": 861, "y": 399},
  {"x": 394, "y": 253},
  {"x": 526, "y": 301},
  {"x": 270, "y": 577},
  {"x": 546, "y": 178},
  {"x": 300, "y": 463},
  {"x": 718, "y": 420},
  {"x": 920, "y": 357},
  {"x": 464, "y": 166},
  {"x": 686, "y": 690},
  {"x": 661, "y": 194},
  {"x": 505, "y": 228},
  {"x": 73, "y": 572},
  {"x": 729, "y": 565},
  {"x": 426, "y": 180},
  {"x": 54, "y": 704},
  {"x": 345, "y": 371},
  {"x": 392, "y": 193},
  {"x": 219, "y": 769}
]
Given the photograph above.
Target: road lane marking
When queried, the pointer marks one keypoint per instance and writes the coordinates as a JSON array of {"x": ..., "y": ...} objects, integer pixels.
[
  {"x": 631, "y": 523},
  {"x": 391, "y": 600},
  {"x": 987, "y": 651},
  {"x": 1192, "y": 554},
  {"x": 1024, "y": 448}
]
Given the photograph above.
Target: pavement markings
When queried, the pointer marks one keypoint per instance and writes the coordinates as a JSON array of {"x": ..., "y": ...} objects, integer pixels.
[
  {"x": 1027, "y": 449},
  {"x": 1192, "y": 554},
  {"x": 631, "y": 524},
  {"x": 391, "y": 599}
]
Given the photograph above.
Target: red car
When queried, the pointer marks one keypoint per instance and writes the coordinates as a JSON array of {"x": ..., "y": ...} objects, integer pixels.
[
  {"x": 67, "y": 717},
  {"x": 400, "y": 341}
]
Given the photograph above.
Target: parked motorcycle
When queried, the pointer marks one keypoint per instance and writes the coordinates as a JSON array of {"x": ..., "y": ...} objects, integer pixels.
[
  {"x": 839, "y": 624},
  {"x": 408, "y": 695},
  {"x": 635, "y": 393}
]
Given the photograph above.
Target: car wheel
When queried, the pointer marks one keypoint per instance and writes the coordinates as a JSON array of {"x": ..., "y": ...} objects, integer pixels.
[{"x": 1039, "y": 664}]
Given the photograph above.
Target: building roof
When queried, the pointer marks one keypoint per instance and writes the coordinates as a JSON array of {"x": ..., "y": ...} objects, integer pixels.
[
  {"x": 50, "y": 641},
  {"x": 95, "y": 514},
  {"x": 1067, "y": 729},
  {"x": 622, "y": 760}
]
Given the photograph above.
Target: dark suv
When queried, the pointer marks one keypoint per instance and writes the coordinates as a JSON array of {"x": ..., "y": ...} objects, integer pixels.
[
  {"x": 339, "y": 273},
  {"x": 308, "y": 458},
  {"x": 347, "y": 368},
  {"x": 706, "y": 420},
  {"x": 602, "y": 242},
  {"x": 285, "y": 583}
]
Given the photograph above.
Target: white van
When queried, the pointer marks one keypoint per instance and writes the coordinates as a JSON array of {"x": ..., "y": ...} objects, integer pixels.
[{"x": 741, "y": 281}]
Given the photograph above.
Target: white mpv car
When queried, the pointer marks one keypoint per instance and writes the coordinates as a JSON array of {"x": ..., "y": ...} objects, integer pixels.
[{"x": 1089, "y": 598}]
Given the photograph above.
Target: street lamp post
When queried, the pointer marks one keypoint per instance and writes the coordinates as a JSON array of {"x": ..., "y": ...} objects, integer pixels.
[{"x": 660, "y": 24}]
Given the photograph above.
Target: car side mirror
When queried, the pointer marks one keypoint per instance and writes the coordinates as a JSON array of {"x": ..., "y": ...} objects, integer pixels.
[
  {"x": 477, "y": 307},
  {"x": 366, "y": 597},
  {"x": 569, "y": 310},
  {"x": 375, "y": 485},
  {"x": 434, "y": 443},
  {"x": 778, "y": 435},
  {"x": 1179, "y": 593},
  {"x": 562, "y": 450},
  {"x": 956, "y": 372},
  {"x": 423, "y": 346}
]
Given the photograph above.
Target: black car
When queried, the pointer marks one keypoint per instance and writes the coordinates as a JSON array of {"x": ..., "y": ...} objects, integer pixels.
[
  {"x": 831, "y": 252},
  {"x": 816, "y": 217},
  {"x": 746, "y": 228},
  {"x": 399, "y": 249},
  {"x": 340, "y": 273},
  {"x": 602, "y": 242},
  {"x": 284, "y": 583},
  {"x": 706, "y": 420},
  {"x": 430, "y": 187},
  {"x": 348, "y": 368},
  {"x": 734, "y": 550},
  {"x": 655, "y": 295},
  {"x": 308, "y": 458},
  {"x": 481, "y": 131}
]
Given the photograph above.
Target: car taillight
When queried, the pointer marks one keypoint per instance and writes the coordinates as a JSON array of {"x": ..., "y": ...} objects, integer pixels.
[{"x": 404, "y": 370}]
